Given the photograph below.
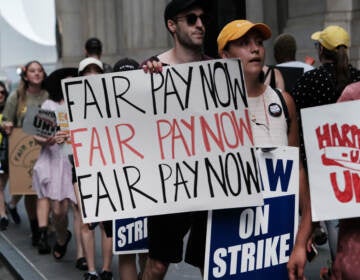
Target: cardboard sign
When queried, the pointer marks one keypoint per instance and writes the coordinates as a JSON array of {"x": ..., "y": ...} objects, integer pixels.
[
  {"x": 256, "y": 242},
  {"x": 149, "y": 144},
  {"x": 130, "y": 236},
  {"x": 332, "y": 142},
  {"x": 23, "y": 153},
  {"x": 63, "y": 124}
]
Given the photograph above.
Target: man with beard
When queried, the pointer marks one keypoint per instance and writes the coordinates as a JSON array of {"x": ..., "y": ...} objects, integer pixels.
[{"x": 186, "y": 21}]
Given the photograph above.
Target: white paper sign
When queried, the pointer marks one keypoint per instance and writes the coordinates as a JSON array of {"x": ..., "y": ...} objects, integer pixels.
[
  {"x": 148, "y": 144},
  {"x": 332, "y": 142}
]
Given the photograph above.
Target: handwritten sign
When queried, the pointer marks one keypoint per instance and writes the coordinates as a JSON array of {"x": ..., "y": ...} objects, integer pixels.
[
  {"x": 149, "y": 144},
  {"x": 256, "y": 242},
  {"x": 23, "y": 153},
  {"x": 63, "y": 124},
  {"x": 332, "y": 142}
]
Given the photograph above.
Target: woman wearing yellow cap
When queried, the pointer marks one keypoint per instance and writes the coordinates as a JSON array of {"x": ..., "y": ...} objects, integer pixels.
[
  {"x": 324, "y": 85},
  {"x": 244, "y": 40}
]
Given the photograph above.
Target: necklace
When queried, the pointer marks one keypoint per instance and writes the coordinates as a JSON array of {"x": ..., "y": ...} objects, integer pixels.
[{"x": 257, "y": 106}]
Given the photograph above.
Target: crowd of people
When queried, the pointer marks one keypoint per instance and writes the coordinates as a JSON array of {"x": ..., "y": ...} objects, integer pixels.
[{"x": 186, "y": 20}]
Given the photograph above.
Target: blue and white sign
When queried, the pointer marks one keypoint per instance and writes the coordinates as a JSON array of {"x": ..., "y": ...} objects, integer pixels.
[
  {"x": 256, "y": 242},
  {"x": 131, "y": 236}
]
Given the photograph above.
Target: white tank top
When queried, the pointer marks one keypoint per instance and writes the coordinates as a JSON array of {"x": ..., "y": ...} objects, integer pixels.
[{"x": 268, "y": 120}]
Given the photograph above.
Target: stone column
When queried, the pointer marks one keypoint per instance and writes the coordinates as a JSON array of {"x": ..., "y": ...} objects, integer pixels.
[
  {"x": 141, "y": 28},
  {"x": 99, "y": 20},
  {"x": 266, "y": 12},
  {"x": 305, "y": 17},
  {"x": 70, "y": 27},
  {"x": 345, "y": 13}
]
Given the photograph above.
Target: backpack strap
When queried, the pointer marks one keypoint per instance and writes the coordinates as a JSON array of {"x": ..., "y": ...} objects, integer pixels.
[
  {"x": 285, "y": 108},
  {"x": 271, "y": 71}
]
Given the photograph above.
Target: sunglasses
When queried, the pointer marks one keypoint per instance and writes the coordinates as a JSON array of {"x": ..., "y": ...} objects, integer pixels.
[
  {"x": 2, "y": 92},
  {"x": 192, "y": 18}
]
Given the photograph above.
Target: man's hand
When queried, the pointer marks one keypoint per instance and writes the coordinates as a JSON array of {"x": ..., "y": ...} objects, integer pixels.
[
  {"x": 152, "y": 67},
  {"x": 297, "y": 263}
]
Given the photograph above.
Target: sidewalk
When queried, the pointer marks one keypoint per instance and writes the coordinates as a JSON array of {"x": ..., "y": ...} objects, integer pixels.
[
  {"x": 18, "y": 238},
  {"x": 15, "y": 245}
]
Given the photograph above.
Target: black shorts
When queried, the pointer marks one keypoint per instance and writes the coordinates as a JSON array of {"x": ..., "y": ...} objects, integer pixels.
[
  {"x": 107, "y": 225},
  {"x": 166, "y": 237}
]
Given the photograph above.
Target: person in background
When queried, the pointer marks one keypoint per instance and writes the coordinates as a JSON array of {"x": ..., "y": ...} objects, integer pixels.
[
  {"x": 324, "y": 85},
  {"x": 285, "y": 55},
  {"x": 92, "y": 66},
  {"x": 244, "y": 40},
  {"x": 186, "y": 21},
  {"x": 30, "y": 92},
  {"x": 93, "y": 48},
  {"x": 285, "y": 52},
  {"x": 127, "y": 262},
  {"x": 53, "y": 85},
  {"x": 52, "y": 179},
  {"x": 4, "y": 164},
  {"x": 348, "y": 247}
]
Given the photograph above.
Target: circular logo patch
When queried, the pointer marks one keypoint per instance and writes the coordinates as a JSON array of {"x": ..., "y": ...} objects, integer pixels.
[{"x": 275, "y": 110}]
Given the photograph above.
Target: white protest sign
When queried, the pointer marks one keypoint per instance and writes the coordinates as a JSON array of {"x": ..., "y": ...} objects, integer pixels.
[
  {"x": 40, "y": 122},
  {"x": 332, "y": 142},
  {"x": 148, "y": 144}
]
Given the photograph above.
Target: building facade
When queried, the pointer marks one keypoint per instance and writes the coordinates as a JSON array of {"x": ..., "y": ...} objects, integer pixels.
[{"x": 136, "y": 28}]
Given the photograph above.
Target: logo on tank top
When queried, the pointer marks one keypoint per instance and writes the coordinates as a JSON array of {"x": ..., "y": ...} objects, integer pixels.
[{"x": 275, "y": 110}]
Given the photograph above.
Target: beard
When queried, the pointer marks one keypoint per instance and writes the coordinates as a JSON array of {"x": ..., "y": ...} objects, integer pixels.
[{"x": 187, "y": 42}]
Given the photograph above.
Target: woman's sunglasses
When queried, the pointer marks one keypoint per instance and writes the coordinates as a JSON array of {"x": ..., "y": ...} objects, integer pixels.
[{"x": 192, "y": 18}]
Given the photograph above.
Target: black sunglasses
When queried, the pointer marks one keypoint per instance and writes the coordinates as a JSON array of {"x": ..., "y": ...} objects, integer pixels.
[
  {"x": 192, "y": 18},
  {"x": 2, "y": 92}
]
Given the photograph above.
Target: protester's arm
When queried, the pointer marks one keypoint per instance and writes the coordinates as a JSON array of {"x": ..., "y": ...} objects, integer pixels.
[
  {"x": 9, "y": 113},
  {"x": 297, "y": 259},
  {"x": 293, "y": 133}
]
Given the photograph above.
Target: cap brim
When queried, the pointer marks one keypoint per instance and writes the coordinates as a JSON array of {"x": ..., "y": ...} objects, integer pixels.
[{"x": 316, "y": 35}]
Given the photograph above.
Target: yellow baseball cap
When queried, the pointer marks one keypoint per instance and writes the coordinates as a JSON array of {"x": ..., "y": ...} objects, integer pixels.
[
  {"x": 238, "y": 28},
  {"x": 332, "y": 37}
]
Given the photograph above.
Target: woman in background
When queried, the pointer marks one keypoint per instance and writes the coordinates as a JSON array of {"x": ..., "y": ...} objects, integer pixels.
[
  {"x": 324, "y": 85},
  {"x": 30, "y": 92},
  {"x": 52, "y": 178}
]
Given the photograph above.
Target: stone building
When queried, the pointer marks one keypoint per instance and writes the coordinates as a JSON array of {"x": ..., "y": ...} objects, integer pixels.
[{"x": 135, "y": 28}]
